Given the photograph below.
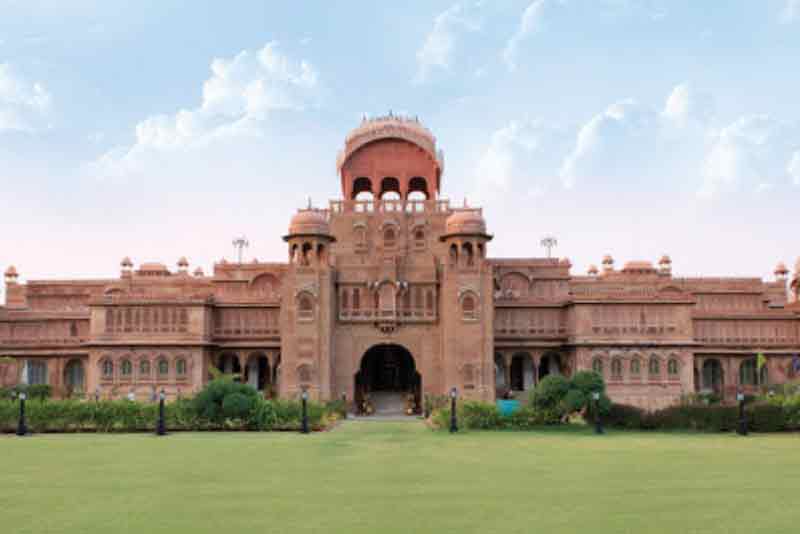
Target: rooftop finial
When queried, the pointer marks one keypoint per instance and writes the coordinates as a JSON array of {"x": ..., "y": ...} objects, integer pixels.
[{"x": 309, "y": 202}]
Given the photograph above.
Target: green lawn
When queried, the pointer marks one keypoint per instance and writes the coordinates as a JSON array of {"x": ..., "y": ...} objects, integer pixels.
[{"x": 382, "y": 477}]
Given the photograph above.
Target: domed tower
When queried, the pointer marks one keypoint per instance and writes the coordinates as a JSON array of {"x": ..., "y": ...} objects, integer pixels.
[
  {"x": 468, "y": 305},
  {"x": 309, "y": 236},
  {"x": 307, "y": 307},
  {"x": 390, "y": 155}
]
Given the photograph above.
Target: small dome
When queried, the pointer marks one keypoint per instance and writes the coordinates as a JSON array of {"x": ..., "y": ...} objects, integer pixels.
[
  {"x": 466, "y": 222},
  {"x": 565, "y": 262},
  {"x": 183, "y": 262},
  {"x": 11, "y": 272},
  {"x": 126, "y": 262},
  {"x": 781, "y": 269},
  {"x": 665, "y": 260},
  {"x": 593, "y": 269},
  {"x": 199, "y": 272},
  {"x": 608, "y": 260},
  {"x": 309, "y": 222}
]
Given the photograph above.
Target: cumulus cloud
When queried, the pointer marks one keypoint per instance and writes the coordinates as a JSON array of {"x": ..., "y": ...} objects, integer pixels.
[
  {"x": 24, "y": 106},
  {"x": 240, "y": 94},
  {"x": 520, "y": 157},
  {"x": 628, "y": 142},
  {"x": 751, "y": 151},
  {"x": 530, "y": 23},
  {"x": 630, "y": 145},
  {"x": 440, "y": 44}
]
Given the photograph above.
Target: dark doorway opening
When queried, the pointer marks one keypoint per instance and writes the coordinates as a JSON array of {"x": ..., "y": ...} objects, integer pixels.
[{"x": 387, "y": 382}]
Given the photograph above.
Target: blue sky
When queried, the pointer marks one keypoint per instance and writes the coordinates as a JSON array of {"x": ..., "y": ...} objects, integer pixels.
[{"x": 629, "y": 127}]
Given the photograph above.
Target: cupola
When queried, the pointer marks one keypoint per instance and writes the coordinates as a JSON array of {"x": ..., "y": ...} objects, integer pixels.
[{"x": 11, "y": 275}]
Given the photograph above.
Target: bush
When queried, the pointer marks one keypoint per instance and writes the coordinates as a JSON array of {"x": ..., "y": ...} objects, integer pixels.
[
  {"x": 766, "y": 417},
  {"x": 550, "y": 393},
  {"x": 237, "y": 405},
  {"x": 35, "y": 391},
  {"x": 210, "y": 402}
]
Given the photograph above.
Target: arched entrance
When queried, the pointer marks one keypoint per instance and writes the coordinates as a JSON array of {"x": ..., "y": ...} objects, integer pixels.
[
  {"x": 74, "y": 377},
  {"x": 387, "y": 382}
]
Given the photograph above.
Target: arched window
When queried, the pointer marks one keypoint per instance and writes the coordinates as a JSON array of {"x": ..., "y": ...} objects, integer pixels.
[
  {"x": 418, "y": 188},
  {"x": 468, "y": 307},
  {"x": 390, "y": 188},
  {"x": 73, "y": 329},
  {"x": 356, "y": 299},
  {"x": 636, "y": 367},
  {"x": 305, "y": 307},
  {"x": 453, "y": 255},
  {"x": 469, "y": 253},
  {"x": 108, "y": 368},
  {"x": 180, "y": 367},
  {"x": 363, "y": 185},
  {"x": 616, "y": 368},
  {"x": 672, "y": 368},
  {"x": 389, "y": 237},
  {"x": 144, "y": 368},
  {"x": 305, "y": 254},
  {"x": 163, "y": 367},
  {"x": 654, "y": 366},
  {"x": 126, "y": 368},
  {"x": 749, "y": 374},
  {"x": 597, "y": 366},
  {"x": 419, "y": 238}
]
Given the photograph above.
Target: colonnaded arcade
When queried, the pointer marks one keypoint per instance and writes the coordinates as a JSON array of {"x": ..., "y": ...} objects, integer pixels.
[{"x": 391, "y": 289}]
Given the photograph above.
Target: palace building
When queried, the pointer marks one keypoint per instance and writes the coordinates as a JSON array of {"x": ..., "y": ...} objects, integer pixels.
[{"x": 393, "y": 289}]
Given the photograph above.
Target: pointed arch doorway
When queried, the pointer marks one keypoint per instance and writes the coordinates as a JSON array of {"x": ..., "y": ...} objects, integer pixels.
[{"x": 387, "y": 381}]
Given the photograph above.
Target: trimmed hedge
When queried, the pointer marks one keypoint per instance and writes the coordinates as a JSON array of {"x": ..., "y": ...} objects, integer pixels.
[
  {"x": 126, "y": 416},
  {"x": 476, "y": 415},
  {"x": 762, "y": 416}
]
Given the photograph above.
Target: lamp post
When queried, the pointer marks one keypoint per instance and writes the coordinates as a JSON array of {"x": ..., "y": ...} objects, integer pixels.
[
  {"x": 742, "y": 427},
  {"x": 453, "y": 418},
  {"x": 304, "y": 396},
  {"x": 22, "y": 427},
  {"x": 344, "y": 403},
  {"x": 161, "y": 428},
  {"x": 598, "y": 424}
]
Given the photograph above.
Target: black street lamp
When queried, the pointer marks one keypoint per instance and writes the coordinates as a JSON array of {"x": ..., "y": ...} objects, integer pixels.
[
  {"x": 22, "y": 427},
  {"x": 453, "y": 417},
  {"x": 304, "y": 396},
  {"x": 344, "y": 403},
  {"x": 742, "y": 427},
  {"x": 161, "y": 429},
  {"x": 598, "y": 423}
]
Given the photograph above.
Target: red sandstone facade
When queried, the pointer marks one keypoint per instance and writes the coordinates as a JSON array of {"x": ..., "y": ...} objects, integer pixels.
[{"x": 391, "y": 288}]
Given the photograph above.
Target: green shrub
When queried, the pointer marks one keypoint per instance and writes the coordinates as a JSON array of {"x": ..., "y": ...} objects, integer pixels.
[
  {"x": 550, "y": 392},
  {"x": 210, "y": 402},
  {"x": 766, "y": 417},
  {"x": 237, "y": 405}
]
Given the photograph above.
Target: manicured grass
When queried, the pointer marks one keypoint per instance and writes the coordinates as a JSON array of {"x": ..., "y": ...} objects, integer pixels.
[{"x": 386, "y": 477}]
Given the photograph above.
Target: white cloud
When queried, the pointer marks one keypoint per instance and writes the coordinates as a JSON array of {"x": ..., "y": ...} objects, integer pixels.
[
  {"x": 684, "y": 105},
  {"x": 630, "y": 146},
  {"x": 520, "y": 157},
  {"x": 240, "y": 94},
  {"x": 437, "y": 50},
  {"x": 530, "y": 23},
  {"x": 791, "y": 11},
  {"x": 794, "y": 167},
  {"x": 24, "y": 105},
  {"x": 752, "y": 150}
]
